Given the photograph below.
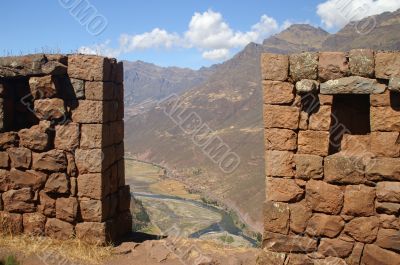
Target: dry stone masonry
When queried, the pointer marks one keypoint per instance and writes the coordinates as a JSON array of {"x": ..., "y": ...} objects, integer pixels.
[
  {"x": 332, "y": 155},
  {"x": 61, "y": 147}
]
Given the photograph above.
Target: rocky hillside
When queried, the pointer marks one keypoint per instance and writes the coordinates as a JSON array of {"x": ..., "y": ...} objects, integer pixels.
[{"x": 229, "y": 102}]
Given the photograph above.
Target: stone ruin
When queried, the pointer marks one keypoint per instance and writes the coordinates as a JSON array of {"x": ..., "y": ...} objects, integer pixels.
[
  {"x": 332, "y": 154},
  {"x": 61, "y": 148}
]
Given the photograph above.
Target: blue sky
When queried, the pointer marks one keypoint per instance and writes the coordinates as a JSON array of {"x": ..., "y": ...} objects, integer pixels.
[{"x": 186, "y": 33}]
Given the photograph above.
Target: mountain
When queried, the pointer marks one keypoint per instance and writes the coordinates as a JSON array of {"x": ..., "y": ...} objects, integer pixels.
[{"x": 229, "y": 101}]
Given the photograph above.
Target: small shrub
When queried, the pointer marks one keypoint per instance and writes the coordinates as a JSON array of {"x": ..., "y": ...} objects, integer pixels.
[{"x": 10, "y": 260}]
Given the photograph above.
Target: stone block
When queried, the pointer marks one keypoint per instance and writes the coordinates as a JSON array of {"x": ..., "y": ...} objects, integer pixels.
[
  {"x": 279, "y": 163},
  {"x": 94, "y": 210},
  {"x": 342, "y": 169},
  {"x": 389, "y": 221},
  {"x": 54, "y": 160},
  {"x": 385, "y": 144},
  {"x": 325, "y": 225},
  {"x": 276, "y": 92},
  {"x": 117, "y": 130},
  {"x": 93, "y": 232},
  {"x": 94, "y": 186},
  {"x": 89, "y": 160},
  {"x": 300, "y": 213},
  {"x": 388, "y": 192},
  {"x": 58, "y": 229},
  {"x": 67, "y": 136},
  {"x": 380, "y": 100},
  {"x": 383, "y": 168},
  {"x": 352, "y": 85},
  {"x": 304, "y": 66},
  {"x": 362, "y": 62},
  {"x": 280, "y": 139},
  {"x": 99, "y": 91},
  {"x": 34, "y": 224},
  {"x": 124, "y": 198},
  {"x": 394, "y": 84},
  {"x": 276, "y": 217},
  {"x": 388, "y": 239},
  {"x": 373, "y": 254},
  {"x": 283, "y": 190},
  {"x": 313, "y": 143},
  {"x": 95, "y": 136},
  {"x": 35, "y": 138},
  {"x": 321, "y": 120},
  {"x": 50, "y": 109},
  {"x": 387, "y": 208},
  {"x": 47, "y": 205},
  {"x": 289, "y": 243},
  {"x": 305, "y": 86},
  {"x": 332, "y": 65},
  {"x": 19, "y": 201},
  {"x": 4, "y": 160},
  {"x": 274, "y": 67},
  {"x": 308, "y": 166},
  {"x": 26, "y": 179},
  {"x": 42, "y": 87},
  {"x": 363, "y": 229},
  {"x": 20, "y": 157},
  {"x": 90, "y": 67},
  {"x": 387, "y": 65},
  {"x": 324, "y": 197},
  {"x": 11, "y": 223},
  {"x": 72, "y": 170},
  {"x": 336, "y": 247},
  {"x": 90, "y": 111},
  {"x": 359, "y": 201},
  {"x": 67, "y": 209},
  {"x": 57, "y": 183},
  {"x": 285, "y": 117},
  {"x": 355, "y": 145},
  {"x": 8, "y": 139}
]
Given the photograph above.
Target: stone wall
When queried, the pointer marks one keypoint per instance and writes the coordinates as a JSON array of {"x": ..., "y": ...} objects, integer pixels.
[
  {"x": 332, "y": 154},
  {"x": 61, "y": 147}
]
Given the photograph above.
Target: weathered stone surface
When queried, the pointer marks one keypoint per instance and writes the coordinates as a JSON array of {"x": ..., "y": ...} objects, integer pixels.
[
  {"x": 93, "y": 186},
  {"x": 389, "y": 221},
  {"x": 67, "y": 137},
  {"x": 355, "y": 145},
  {"x": 385, "y": 144},
  {"x": 363, "y": 229},
  {"x": 362, "y": 62},
  {"x": 42, "y": 87},
  {"x": 72, "y": 170},
  {"x": 34, "y": 223},
  {"x": 279, "y": 163},
  {"x": 49, "y": 109},
  {"x": 303, "y": 122},
  {"x": 342, "y": 169},
  {"x": 321, "y": 120},
  {"x": 276, "y": 92},
  {"x": 20, "y": 157},
  {"x": 89, "y": 160},
  {"x": 394, "y": 84},
  {"x": 281, "y": 117},
  {"x": 280, "y": 139},
  {"x": 307, "y": 86},
  {"x": 352, "y": 85},
  {"x": 58, "y": 229},
  {"x": 374, "y": 255},
  {"x": 380, "y": 100},
  {"x": 57, "y": 183},
  {"x": 79, "y": 88},
  {"x": 284, "y": 243},
  {"x": 325, "y": 99},
  {"x": 308, "y": 166},
  {"x": 324, "y": 197},
  {"x": 355, "y": 256},
  {"x": 4, "y": 160},
  {"x": 90, "y": 67},
  {"x": 304, "y": 66},
  {"x": 99, "y": 90},
  {"x": 124, "y": 198},
  {"x": 90, "y": 111},
  {"x": 336, "y": 247},
  {"x": 19, "y": 201},
  {"x": 388, "y": 192},
  {"x": 47, "y": 205},
  {"x": 387, "y": 65},
  {"x": 383, "y": 168},
  {"x": 300, "y": 213},
  {"x": 385, "y": 119},
  {"x": 11, "y": 223},
  {"x": 94, "y": 210},
  {"x": 330, "y": 261},
  {"x": 8, "y": 139},
  {"x": 67, "y": 209},
  {"x": 313, "y": 143},
  {"x": 276, "y": 217},
  {"x": 269, "y": 257},
  {"x": 274, "y": 67},
  {"x": 298, "y": 259},
  {"x": 283, "y": 190},
  {"x": 387, "y": 207},
  {"x": 27, "y": 179},
  {"x": 359, "y": 201},
  {"x": 35, "y": 138},
  {"x": 332, "y": 65},
  {"x": 54, "y": 160},
  {"x": 73, "y": 189},
  {"x": 95, "y": 136},
  {"x": 388, "y": 239},
  {"x": 325, "y": 225},
  {"x": 92, "y": 233}
]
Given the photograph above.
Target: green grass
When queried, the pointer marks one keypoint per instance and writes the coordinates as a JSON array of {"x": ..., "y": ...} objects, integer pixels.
[{"x": 10, "y": 260}]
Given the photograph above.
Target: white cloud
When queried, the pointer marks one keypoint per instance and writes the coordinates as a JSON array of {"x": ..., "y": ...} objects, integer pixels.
[
  {"x": 337, "y": 13},
  {"x": 216, "y": 55},
  {"x": 207, "y": 32}
]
